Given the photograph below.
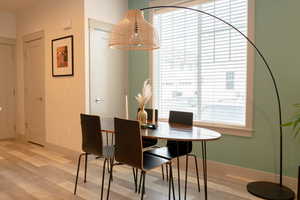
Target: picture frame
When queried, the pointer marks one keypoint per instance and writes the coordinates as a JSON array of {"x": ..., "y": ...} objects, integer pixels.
[{"x": 63, "y": 56}]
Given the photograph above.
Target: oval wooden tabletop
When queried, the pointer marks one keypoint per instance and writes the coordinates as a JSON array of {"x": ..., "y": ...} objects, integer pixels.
[{"x": 169, "y": 131}]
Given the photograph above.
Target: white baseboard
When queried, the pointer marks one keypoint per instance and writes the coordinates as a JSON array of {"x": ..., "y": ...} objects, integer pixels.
[
  {"x": 7, "y": 139},
  {"x": 52, "y": 147}
]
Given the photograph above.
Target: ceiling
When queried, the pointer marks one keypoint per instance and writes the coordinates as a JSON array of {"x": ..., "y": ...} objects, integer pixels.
[{"x": 14, "y": 5}]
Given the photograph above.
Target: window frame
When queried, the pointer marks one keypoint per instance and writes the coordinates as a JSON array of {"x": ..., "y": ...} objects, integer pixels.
[{"x": 247, "y": 130}]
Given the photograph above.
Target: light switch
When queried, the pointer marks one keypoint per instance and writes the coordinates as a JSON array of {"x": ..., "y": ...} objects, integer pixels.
[{"x": 67, "y": 24}]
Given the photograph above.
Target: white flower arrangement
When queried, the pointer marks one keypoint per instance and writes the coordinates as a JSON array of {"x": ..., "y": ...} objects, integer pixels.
[{"x": 143, "y": 98}]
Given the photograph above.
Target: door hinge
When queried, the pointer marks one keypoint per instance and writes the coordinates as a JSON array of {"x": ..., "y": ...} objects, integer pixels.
[
  {"x": 15, "y": 128},
  {"x": 26, "y": 125},
  {"x": 14, "y": 92}
]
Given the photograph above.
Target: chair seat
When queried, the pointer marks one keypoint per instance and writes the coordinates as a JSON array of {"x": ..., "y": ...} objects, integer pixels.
[
  {"x": 149, "y": 142},
  {"x": 165, "y": 152},
  {"x": 151, "y": 161},
  {"x": 108, "y": 151}
]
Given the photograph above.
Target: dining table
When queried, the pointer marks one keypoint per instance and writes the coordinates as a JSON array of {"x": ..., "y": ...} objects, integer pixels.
[{"x": 175, "y": 132}]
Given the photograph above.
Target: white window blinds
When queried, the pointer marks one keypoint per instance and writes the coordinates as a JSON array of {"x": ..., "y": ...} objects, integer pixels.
[{"x": 202, "y": 64}]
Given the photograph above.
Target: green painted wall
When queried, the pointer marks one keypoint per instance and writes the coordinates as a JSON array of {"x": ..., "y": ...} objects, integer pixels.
[{"x": 277, "y": 33}]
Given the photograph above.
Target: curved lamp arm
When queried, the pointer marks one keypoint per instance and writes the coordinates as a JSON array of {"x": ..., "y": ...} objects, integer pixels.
[{"x": 259, "y": 53}]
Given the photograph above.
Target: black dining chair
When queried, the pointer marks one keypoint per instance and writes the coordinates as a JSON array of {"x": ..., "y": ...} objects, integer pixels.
[
  {"x": 149, "y": 142},
  {"x": 129, "y": 151},
  {"x": 176, "y": 149},
  {"x": 92, "y": 144}
]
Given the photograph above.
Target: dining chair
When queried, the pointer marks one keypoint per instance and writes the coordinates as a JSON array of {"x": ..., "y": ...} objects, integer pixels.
[
  {"x": 129, "y": 151},
  {"x": 92, "y": 144},
  {"x": 176, "y": 149},
  {"x": 149, "y": 142}
]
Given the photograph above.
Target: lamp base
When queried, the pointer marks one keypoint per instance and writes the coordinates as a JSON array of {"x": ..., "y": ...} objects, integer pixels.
[{"x": 270, "y": 191}]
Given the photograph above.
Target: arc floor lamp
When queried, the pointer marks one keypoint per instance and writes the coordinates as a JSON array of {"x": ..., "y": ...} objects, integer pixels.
[{"x": 135, "y": 33}]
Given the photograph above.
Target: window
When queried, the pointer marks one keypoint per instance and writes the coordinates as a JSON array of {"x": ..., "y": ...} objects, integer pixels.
[
  {"x": 202, "y": 65},
  {"x": 230, "y": 80}
]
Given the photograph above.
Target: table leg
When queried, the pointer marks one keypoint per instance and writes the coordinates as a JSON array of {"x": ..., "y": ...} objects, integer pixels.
[
  {"x": 204, "y": 167},
  {"x": 298, "y": 193},
  {"x": 178, "y": 170}
]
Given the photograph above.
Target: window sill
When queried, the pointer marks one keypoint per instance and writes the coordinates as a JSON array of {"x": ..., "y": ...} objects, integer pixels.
[{"x": 223, "y": 128}]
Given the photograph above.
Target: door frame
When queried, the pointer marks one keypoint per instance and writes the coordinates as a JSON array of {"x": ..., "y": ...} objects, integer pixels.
[
  {"x": 12, "y": 42},
  {"x": 40, "y": 35},
  {"x": 93, "y": 25}
]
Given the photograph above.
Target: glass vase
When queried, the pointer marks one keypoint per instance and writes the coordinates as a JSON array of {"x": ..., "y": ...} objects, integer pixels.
[{"x": 142, "y": 116}]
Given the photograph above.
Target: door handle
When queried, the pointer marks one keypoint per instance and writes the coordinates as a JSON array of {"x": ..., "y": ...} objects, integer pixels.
[
  {"x": 39, "y": 98},
  {"x": 99, "y": 100}
]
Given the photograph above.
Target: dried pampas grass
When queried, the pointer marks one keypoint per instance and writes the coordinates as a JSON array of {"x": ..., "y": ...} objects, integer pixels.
[{"x": 143, "y": 98}]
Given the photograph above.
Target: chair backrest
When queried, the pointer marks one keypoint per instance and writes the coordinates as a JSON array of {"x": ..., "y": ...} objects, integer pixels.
[
  {"x": 91, "y": 134},
  {"x": 185, "y": 118},
  {"x": 150, "y": 113},
  {"x": 128, "y": 140},
  {"x": 179, "y": 117}
]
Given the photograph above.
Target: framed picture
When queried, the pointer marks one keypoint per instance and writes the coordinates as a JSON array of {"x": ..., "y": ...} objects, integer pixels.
[{"x": 62, "y": 56}]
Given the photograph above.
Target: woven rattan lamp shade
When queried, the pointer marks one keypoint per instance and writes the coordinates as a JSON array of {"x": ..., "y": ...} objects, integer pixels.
[{"x": 134, "y": 33}]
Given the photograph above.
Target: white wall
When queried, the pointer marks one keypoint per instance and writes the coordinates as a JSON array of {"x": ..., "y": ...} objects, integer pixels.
[
  {"x": 109, "y": 11},
  {"x": 7, "y": 25},
  {"x": 64, "y": 96}
]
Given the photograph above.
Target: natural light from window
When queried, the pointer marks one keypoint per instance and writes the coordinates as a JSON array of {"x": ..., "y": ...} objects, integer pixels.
[{"x": 202, "y": 64}]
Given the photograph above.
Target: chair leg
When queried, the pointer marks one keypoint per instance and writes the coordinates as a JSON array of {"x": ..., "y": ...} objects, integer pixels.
[
  {"x": 111, "y": 168},
  {"x": 162, "y": 172},
  {"x": 85, "y": 166},
  {"x": 167, "y": 173},
  {"x": 172, "y": 180},
  {"x": 178, "y": 172},
  {"x": 197, "y": 172},
  {"x": 78, "y": 167},
  {"x": 143, "y": 187},
  {"x": 135, "y": 180},
  {"x": 186, "y": 173},
  {"x": 103, "y": 177},
  {"x": 110, "y": 179},
  {"x": 108, "y": 167},
  {"x": 170, "y": 188},
  {"x": 141, "y": 178}
]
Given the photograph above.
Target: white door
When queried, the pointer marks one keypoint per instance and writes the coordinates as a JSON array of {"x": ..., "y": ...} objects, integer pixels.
[
  {"x": 34, "y": 91},
  {"x": 108, "y": 76},
  {"x": 7, "y": 91}
]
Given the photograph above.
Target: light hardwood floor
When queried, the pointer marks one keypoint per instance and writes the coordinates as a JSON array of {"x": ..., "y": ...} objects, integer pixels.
[{"x": 29, "y": 172}]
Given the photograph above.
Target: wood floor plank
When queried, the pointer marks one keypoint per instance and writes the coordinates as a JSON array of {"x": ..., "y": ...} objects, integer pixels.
[
  {"x": 29, "y": 159},
  {"x": 28, "y": 172},
  {"x": 50, "y": 155}
]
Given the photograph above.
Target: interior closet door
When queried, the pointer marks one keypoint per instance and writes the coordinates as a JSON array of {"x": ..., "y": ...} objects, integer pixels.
[
  {"x": 108, "y": 75},
  {"x": 34, "y": 90},
  {"x": 7, "y": 91}
]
